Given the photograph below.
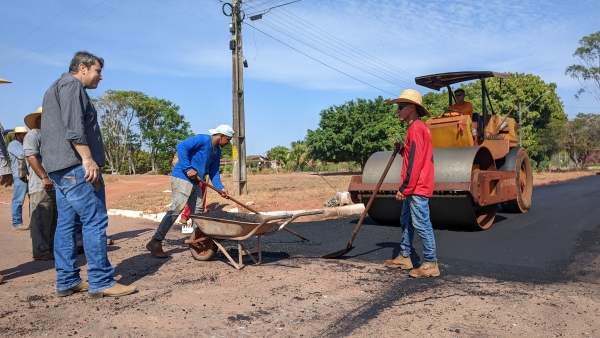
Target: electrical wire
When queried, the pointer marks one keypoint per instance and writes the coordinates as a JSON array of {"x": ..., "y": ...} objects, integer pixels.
[
  {"x": 51, "y": 35},
  {"x": 332, "y": 55},
  {"x": 262, "y": 4},
  {"x": 59, "y": 41},
  {"x": 581, "y": 107},
  {"x": 323, "y": 63},
  {"x": 341, "y": 42},
  {"x": 35, "y": 30},
  {"x": 352, "y": 53}
]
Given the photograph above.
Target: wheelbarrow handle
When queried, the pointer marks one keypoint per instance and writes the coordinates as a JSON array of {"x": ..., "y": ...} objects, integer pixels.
[{"x": 229, "y": 197}]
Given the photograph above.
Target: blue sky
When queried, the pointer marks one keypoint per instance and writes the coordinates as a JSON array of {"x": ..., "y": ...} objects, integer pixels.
[{"x": 179, "y": 51}]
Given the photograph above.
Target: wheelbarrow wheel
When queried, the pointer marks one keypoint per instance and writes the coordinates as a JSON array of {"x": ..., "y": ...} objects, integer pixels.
[{"x": 204, "y": 250}]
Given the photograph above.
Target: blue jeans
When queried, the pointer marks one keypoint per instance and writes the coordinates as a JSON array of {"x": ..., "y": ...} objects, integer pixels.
[
  {"x": 76, "y": 197},
  {"x": 20, "y": 189},
  {"x": 415, "y": 215}
]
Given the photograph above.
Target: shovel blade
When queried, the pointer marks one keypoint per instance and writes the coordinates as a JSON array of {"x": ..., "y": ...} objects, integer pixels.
[{"x": 338, "y": 254}]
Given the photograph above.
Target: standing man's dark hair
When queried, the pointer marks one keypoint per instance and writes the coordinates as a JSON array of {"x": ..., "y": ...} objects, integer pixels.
[
  {"x": 85, "y": 58},
  {"x": 72, "y": 154}
]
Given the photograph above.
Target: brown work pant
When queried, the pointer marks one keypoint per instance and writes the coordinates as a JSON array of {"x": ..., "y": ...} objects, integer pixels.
[{"x": 42, "y": 206}]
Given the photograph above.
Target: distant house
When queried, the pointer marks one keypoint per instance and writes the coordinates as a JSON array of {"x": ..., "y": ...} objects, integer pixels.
[
  {"x": 264, "y": 163},
  {"x": 258, "y": 161}
]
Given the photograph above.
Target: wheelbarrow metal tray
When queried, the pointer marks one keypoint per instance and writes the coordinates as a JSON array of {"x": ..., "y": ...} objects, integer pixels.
[{"x": 230, "y": 229}]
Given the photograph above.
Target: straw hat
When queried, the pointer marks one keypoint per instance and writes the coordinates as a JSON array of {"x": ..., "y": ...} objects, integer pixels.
[
  {"x": 414, "y": 97},
  {"x": 4, "y": 80},
  {"x": 30, "y": 119},
  {"x": 18, "y": 130}
]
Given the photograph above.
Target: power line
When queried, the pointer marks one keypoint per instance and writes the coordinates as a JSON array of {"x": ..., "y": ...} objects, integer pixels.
[
  {"x": 59, "y": 41},
  {"x": 581, "y": 107},
  {"x": 327, "y": 53},
  {"x": 51, "y": 35},
  {"x": 360, "y": 60},
  {"x": 35, "y": 30},
  {"x": 341, "y": 42},
  {"x": 326, "y": 49},
  {"x": 323, "y": 63},
  {"x": 262, "y": 4}
]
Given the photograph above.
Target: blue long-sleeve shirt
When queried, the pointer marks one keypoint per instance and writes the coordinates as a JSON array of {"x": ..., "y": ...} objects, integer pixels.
[{"x": 198, "y": 153}]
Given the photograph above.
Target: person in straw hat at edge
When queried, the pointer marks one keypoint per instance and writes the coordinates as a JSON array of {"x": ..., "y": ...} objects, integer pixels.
[
  {"x": 198, "y": 155},
  {"x": 15, "y": 150},
  {"x": 42, "y": 196},
  {"x": 416, "y": 186}
]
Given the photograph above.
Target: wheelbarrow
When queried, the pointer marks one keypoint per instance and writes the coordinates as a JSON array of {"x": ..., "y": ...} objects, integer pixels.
[{"x": 204, "y": 240}]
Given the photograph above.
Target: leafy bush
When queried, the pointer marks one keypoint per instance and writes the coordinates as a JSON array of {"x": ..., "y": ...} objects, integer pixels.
[
  {"x": 543, "y": 166},
  {"x": 226, "y": 169}
]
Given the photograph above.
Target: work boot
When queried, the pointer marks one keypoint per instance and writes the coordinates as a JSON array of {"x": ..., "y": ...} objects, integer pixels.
[
  {"x": 401, "y": 262},
  {"x": 81, "y": 287},
  {"x": 21, "y": 227},
  {"x": 155, "y": 247},
  {"x": 428, "y": 269},
  {"x": 116, "y": 290}
]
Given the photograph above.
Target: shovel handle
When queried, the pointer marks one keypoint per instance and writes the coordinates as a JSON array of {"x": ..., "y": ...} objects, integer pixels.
[
  {"x": 364, "y": 214},
  {"x": 229, "y": 197}
]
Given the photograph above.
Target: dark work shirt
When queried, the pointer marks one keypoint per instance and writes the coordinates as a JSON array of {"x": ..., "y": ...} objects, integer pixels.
[{"x": 69, "y": 116}]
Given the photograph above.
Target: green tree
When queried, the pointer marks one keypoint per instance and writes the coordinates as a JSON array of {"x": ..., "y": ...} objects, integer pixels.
[
  {"x": 226, "y": 151},
  {"x": 298, "y": 156},
  {"x": 354, "y": 131},
  {"x": 580, "y": 137},
  {"x": 539, "y": 101},
  {"x": 279, "y": 153},
  {"x": 587, "y": 72},
  {"x": 118, "y": 112},
  {"x": 162, "y": 128}
]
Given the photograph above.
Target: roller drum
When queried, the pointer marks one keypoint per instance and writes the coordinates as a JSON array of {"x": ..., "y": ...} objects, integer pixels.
[{"x": 447, "y": 208}]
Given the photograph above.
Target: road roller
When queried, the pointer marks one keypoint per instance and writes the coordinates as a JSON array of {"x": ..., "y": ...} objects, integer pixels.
[{"x": 479, "y": 165}]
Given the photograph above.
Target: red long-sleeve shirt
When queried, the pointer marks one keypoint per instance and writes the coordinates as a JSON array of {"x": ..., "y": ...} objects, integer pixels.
[{"x": 417, "y": 163}]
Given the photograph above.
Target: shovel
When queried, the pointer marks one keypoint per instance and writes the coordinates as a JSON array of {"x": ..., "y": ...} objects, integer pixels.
[
  {"x": 247, "y": 207},
  {"x": 349, "y": 247}
]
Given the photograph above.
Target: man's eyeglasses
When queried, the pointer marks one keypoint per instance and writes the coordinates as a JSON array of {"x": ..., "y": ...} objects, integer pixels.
[
  {"x": 459, "y": 94},
  {"x": 402, "y": 106}
]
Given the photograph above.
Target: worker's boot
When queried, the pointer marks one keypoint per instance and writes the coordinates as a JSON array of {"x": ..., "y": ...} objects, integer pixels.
[
  {"x": 81, "y": 287},
  {"x": 401, "y": 262},
  {"x": 155, "y": 247},
  {"x": 427, "y": 269},
  {"x": 116, "y": 290}
]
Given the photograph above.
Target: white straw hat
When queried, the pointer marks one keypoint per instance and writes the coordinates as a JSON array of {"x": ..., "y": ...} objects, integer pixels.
[
  {"x": 19, "y": 130},
  {"x": 414, "y": 97}
]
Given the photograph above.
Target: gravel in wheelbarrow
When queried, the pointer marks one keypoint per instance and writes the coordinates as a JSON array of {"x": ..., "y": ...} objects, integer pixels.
[{"x": 230, "y": 216}]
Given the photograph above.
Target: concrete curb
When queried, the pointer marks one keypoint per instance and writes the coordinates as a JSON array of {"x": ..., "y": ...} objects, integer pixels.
[{"x": 346, "y": 210}]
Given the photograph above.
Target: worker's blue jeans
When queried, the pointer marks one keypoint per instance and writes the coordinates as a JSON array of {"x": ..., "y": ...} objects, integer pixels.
[
  {"x": 77, "y": 197},
  {"x": 415, "y": 215},
  {"x": 20, "y": 189}
]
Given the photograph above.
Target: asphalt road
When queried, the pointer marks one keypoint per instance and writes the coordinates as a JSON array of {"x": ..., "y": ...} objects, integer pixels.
[{"x": 562, "y": 228}]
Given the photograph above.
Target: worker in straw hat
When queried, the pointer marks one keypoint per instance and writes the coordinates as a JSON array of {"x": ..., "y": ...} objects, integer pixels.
[
  {"x": 198, "y": 155},
  {"x": 15, "y": 150},
  {"x": 416, "y": 186},
  {"x": 42, "y": 196}
]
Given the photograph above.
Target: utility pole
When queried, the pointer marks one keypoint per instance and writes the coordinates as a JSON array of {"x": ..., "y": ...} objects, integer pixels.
[{"x": 239, "y": 121}]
